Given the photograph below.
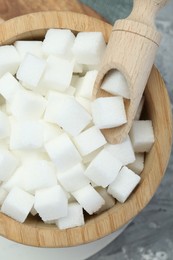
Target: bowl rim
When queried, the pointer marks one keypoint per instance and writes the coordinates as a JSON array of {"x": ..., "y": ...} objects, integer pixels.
[{"x": 34, "y": 233}]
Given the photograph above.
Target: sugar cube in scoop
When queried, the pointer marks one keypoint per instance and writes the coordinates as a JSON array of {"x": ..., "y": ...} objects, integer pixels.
[
  {"x": 63, "y": 152},
  {"x": 89, "y": 199},
  {"x": 74, "y": 218},
  {"x": 51, "y": 203},
  {"x": 124, "y": 184},
  {"x": 89, "y": 47},
  {"x": 103, "y": 169},
  {"x": 9, "y": 60},
  {"x": 108, "y": 112},
  {"x": 116, "y": 84},
  {"x": 30, "y": 70},
  {"x": 18, "y": 204},
  {"x": 142, "y": 135}
]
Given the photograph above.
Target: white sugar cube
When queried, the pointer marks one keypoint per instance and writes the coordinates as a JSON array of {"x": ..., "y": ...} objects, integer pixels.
[
  {"x": 3, "y": 195},
  {"x": 54, "y": 98},
  {"x": 37, "y": 174},
  {"x": 122, "y": 151},
  {"x": 14, "y": 181},
  {"x": 108, "y": 112},
  {"x": 30, "y": 155},
  {"x": 140, "y": 108},
  {"x": 89, "y": 47},
  {"x": 124, "y": 184},
  {"x": 138, "y": 165},
  {"x": 89, "y": 199},
  {"x": 9, "y": 60},
  {"x": 32, "y": 47},
  {"x": 74, "y": 218},
  {"x": 30, "y": 70},
  {"x": 8, "y": 164},
  {"x": 18, "y": 204},
  {"x": 85, "y": 87},
  {"x": 62, "y": 152},
  {"x": 109, "y": 200},
  {"x": 85, "y": 103},
  {"x": 51, "y": 203},
  {"x": 116, "y": 84},
  {"x": 26, "y": 135},
  {"x": 57, "y": 75},
  {"x": 103, "y": 169},
  {"x": 28, "y": 105},
  {"x": 4, "y": 125},
  {"x": 9, "y": 86},
  {"x": 89, "y": 140},
  {"x": 58, "y": 42},
  {"x": 74, "y": 178},
  {"x": 142, "y": 136},
  {"x": 71, "y": 116},
  {"x": 51, "y": 131}
]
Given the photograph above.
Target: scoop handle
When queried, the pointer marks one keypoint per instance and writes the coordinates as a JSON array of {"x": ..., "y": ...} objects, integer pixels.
[{"x": 144, "y": 11}]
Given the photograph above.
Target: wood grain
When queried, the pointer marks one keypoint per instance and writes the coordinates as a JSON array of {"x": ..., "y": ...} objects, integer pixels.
[
  {"x": 13, "y": 8},
  {"x": 131, "y": 50},
  {"x": 33, "y": 231}
]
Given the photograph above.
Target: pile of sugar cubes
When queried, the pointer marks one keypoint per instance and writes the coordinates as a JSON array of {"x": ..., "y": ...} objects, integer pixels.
[{"x": 54, "y": 159}]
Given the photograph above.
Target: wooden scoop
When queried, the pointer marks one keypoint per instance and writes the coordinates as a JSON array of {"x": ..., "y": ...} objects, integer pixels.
[{"x": 131, "y": 50}]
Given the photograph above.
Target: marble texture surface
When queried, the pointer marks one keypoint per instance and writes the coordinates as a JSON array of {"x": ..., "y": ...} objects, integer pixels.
[{"x": 150, "y": 235}]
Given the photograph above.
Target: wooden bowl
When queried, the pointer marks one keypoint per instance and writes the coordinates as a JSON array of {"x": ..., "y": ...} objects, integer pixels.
[{"x": 33, "y": 231}]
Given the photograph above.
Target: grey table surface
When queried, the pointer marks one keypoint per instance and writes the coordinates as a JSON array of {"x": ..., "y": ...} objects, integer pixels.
[{"x": 150, "y": 235}]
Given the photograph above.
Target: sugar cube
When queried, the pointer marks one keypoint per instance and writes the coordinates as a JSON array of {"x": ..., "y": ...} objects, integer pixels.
[
  {"x": 30, "y": 70},
  {"x": 51, "y": 203},
  {"x": 28, "y": 105},
  {"x": 4, "y": 126},
  {"x": 51, "y": 131},
  {"x": 86, "y": 85},
  {"x": 58, "y": 42},
  {"x": 142, "y": 135},
  {"x": 18, "y": 204},
  {"x": 89, "y": 47},
  {"x": 8, "y": 164},
  {"x": 9, "y": 60},
  {"x": 85, "y": 103},
  {"x": 57, "y": 75},
  {"x": 26, "y": 135},
  {"x": 32, "y": 47},
  {"x": 9, "y": 86},
  {"x": 116, "y": 84},
  {"x": 108, "y": 112},
  {"x": 89, "y": 140},
  {"x": 63, "y": 152},
  {"x": 103, "y": 169},
  {"x": 89, "y": 199},
  {"x": 124, "y": 184},
  {"x": 122, "y": 151},
  {"x": 74, "y": 218},
  {"x": 74, "y": 178}
]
